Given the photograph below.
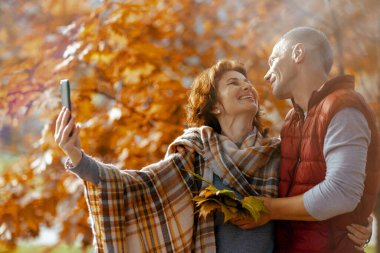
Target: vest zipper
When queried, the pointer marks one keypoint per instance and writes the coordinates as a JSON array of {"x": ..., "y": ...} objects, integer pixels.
[{"x": 295, "y": 168}]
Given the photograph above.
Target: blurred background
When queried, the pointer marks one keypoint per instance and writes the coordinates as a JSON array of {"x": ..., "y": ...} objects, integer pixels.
[{"x": 131, "y": 64}]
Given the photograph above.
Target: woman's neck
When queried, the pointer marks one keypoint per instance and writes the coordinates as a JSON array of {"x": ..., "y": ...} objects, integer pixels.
[{"x": 236, "y": 128}]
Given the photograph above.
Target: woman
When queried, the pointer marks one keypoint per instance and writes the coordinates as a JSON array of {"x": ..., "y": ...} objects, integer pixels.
[{"x": 151, "y": 209}]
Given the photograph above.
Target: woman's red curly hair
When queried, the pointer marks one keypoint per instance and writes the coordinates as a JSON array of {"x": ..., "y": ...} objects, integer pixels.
[{"x": 203, "y": 96}]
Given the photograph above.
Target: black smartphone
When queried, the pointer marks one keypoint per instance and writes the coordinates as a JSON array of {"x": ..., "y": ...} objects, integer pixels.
[
  {"x": 65, "y": 96},
  {"x": 65, "y": 93}
]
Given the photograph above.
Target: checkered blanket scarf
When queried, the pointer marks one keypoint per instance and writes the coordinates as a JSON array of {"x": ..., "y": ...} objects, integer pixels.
[{"x": 151, "y": 210}]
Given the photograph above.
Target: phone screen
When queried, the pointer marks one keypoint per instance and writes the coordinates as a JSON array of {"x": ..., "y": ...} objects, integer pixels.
[{"x": 65, "y": 93}]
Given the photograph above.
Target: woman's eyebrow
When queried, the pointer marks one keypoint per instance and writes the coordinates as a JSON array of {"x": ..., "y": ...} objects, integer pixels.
[{"x": 232, "y": 79}]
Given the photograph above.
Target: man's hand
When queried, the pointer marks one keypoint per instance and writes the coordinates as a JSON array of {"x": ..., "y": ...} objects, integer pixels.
[
  {"x": 360, "y": 235},
  {"x": 249, "y": 222}
]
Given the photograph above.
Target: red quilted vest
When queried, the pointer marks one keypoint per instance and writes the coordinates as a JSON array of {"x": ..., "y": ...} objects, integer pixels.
[{"x": 303, "y": 166}]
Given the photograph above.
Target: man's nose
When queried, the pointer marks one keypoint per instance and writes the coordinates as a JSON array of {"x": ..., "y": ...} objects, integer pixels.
[{"x": 267, "y": 76}]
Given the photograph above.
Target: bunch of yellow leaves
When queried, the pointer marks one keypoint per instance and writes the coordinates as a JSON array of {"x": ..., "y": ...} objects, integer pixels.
[{"x": 211, "y": 199}]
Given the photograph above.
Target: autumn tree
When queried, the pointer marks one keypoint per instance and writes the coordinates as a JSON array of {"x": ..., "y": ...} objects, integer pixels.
[{"x": 130, "y": 64}]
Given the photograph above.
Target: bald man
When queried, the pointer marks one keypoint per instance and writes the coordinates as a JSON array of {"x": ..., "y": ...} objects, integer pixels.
[
  {"x": 330, "y": 167},
  {"x": 329, "y": 175}
]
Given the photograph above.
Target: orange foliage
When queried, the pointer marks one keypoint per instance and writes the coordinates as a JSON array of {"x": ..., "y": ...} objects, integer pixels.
[{"x": 130, "y": 64}]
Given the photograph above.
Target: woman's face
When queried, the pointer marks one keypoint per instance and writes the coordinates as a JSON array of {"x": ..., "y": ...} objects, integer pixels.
[{"x": 236, "y": 95}]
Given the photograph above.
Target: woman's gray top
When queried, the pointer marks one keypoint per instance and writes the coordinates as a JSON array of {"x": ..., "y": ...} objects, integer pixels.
[{"x": 232, "y": 239}]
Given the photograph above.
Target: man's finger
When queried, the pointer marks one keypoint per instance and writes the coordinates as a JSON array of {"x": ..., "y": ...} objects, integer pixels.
[
  {"x": 236, "y": 219},
  {"x": 357, "y": 233},
  {"x": 239, "y": 222},
  {"x": 360, "y": 249},
  {"x": 247, "y": 226},
  {"x": 370, "y": 221},
  {"x": 357, "y": 241},
  {"x": 361, "y": 229}
]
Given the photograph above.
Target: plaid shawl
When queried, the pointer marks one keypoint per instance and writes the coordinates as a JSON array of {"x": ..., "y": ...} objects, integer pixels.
[{"x": 151, "y": 210}]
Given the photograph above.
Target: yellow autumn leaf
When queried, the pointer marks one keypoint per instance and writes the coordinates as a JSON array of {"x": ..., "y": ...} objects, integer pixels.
[
  {"x": 207, "y": 208},
  {"x": 255, "y": 206},
  {"x": 211, "y": 199}
]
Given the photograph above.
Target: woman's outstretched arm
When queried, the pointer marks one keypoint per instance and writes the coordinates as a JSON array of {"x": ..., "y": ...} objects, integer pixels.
[{"x": 90, "y": 169}]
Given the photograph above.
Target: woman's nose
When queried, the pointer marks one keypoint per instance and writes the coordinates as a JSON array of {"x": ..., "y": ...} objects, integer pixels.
[{"x": 246, "y": 86}]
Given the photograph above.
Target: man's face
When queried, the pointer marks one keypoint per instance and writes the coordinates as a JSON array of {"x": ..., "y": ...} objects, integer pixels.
[{"x": 281, "y": 70}]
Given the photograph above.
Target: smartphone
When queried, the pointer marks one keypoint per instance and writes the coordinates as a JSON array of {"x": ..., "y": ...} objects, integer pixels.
[
  {"x": 65, "y": 93},
  {"x": 65, "y": 97}
]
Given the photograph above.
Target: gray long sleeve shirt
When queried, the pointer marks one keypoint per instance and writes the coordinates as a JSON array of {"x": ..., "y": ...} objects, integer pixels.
[{"x": 345, "y": 150}]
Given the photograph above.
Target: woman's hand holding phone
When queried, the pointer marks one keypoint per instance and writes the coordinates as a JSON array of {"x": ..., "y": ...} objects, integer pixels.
[{"x": 69, "y": 144}]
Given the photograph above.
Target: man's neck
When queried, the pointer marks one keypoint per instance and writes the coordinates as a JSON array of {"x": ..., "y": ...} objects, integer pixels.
[
  {"x": 236, "y": 127},
  {"x": 308, "y": 83}
]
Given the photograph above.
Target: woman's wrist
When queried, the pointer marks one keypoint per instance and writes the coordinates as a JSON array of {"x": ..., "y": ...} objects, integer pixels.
[{"x": 75, "y": 156}]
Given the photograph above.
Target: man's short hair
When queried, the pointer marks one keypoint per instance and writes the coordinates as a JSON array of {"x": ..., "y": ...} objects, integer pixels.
[{"x": 314, "y": 39}]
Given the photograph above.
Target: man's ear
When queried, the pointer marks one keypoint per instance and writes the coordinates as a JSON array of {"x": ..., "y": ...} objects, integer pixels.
[{"x": 298, "y": 52}]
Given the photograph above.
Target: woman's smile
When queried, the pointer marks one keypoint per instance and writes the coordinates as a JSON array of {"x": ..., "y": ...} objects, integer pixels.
[
  {"x": 236, "y": 94},
  {"x": 247, "y": 97}
]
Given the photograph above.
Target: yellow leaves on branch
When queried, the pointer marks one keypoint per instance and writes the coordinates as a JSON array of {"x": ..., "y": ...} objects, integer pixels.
[{"x": 212, "y": 199}]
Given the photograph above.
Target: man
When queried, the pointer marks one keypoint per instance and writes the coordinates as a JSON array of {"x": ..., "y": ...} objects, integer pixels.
[{"x": 330, "y": 154}]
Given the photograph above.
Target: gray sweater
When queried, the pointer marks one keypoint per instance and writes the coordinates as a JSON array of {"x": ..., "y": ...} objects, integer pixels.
[{"x": 345, "y": 150}]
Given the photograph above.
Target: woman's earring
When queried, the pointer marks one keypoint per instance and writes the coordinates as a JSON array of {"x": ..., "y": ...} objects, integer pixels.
[{"x": 217, "y": 111}]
